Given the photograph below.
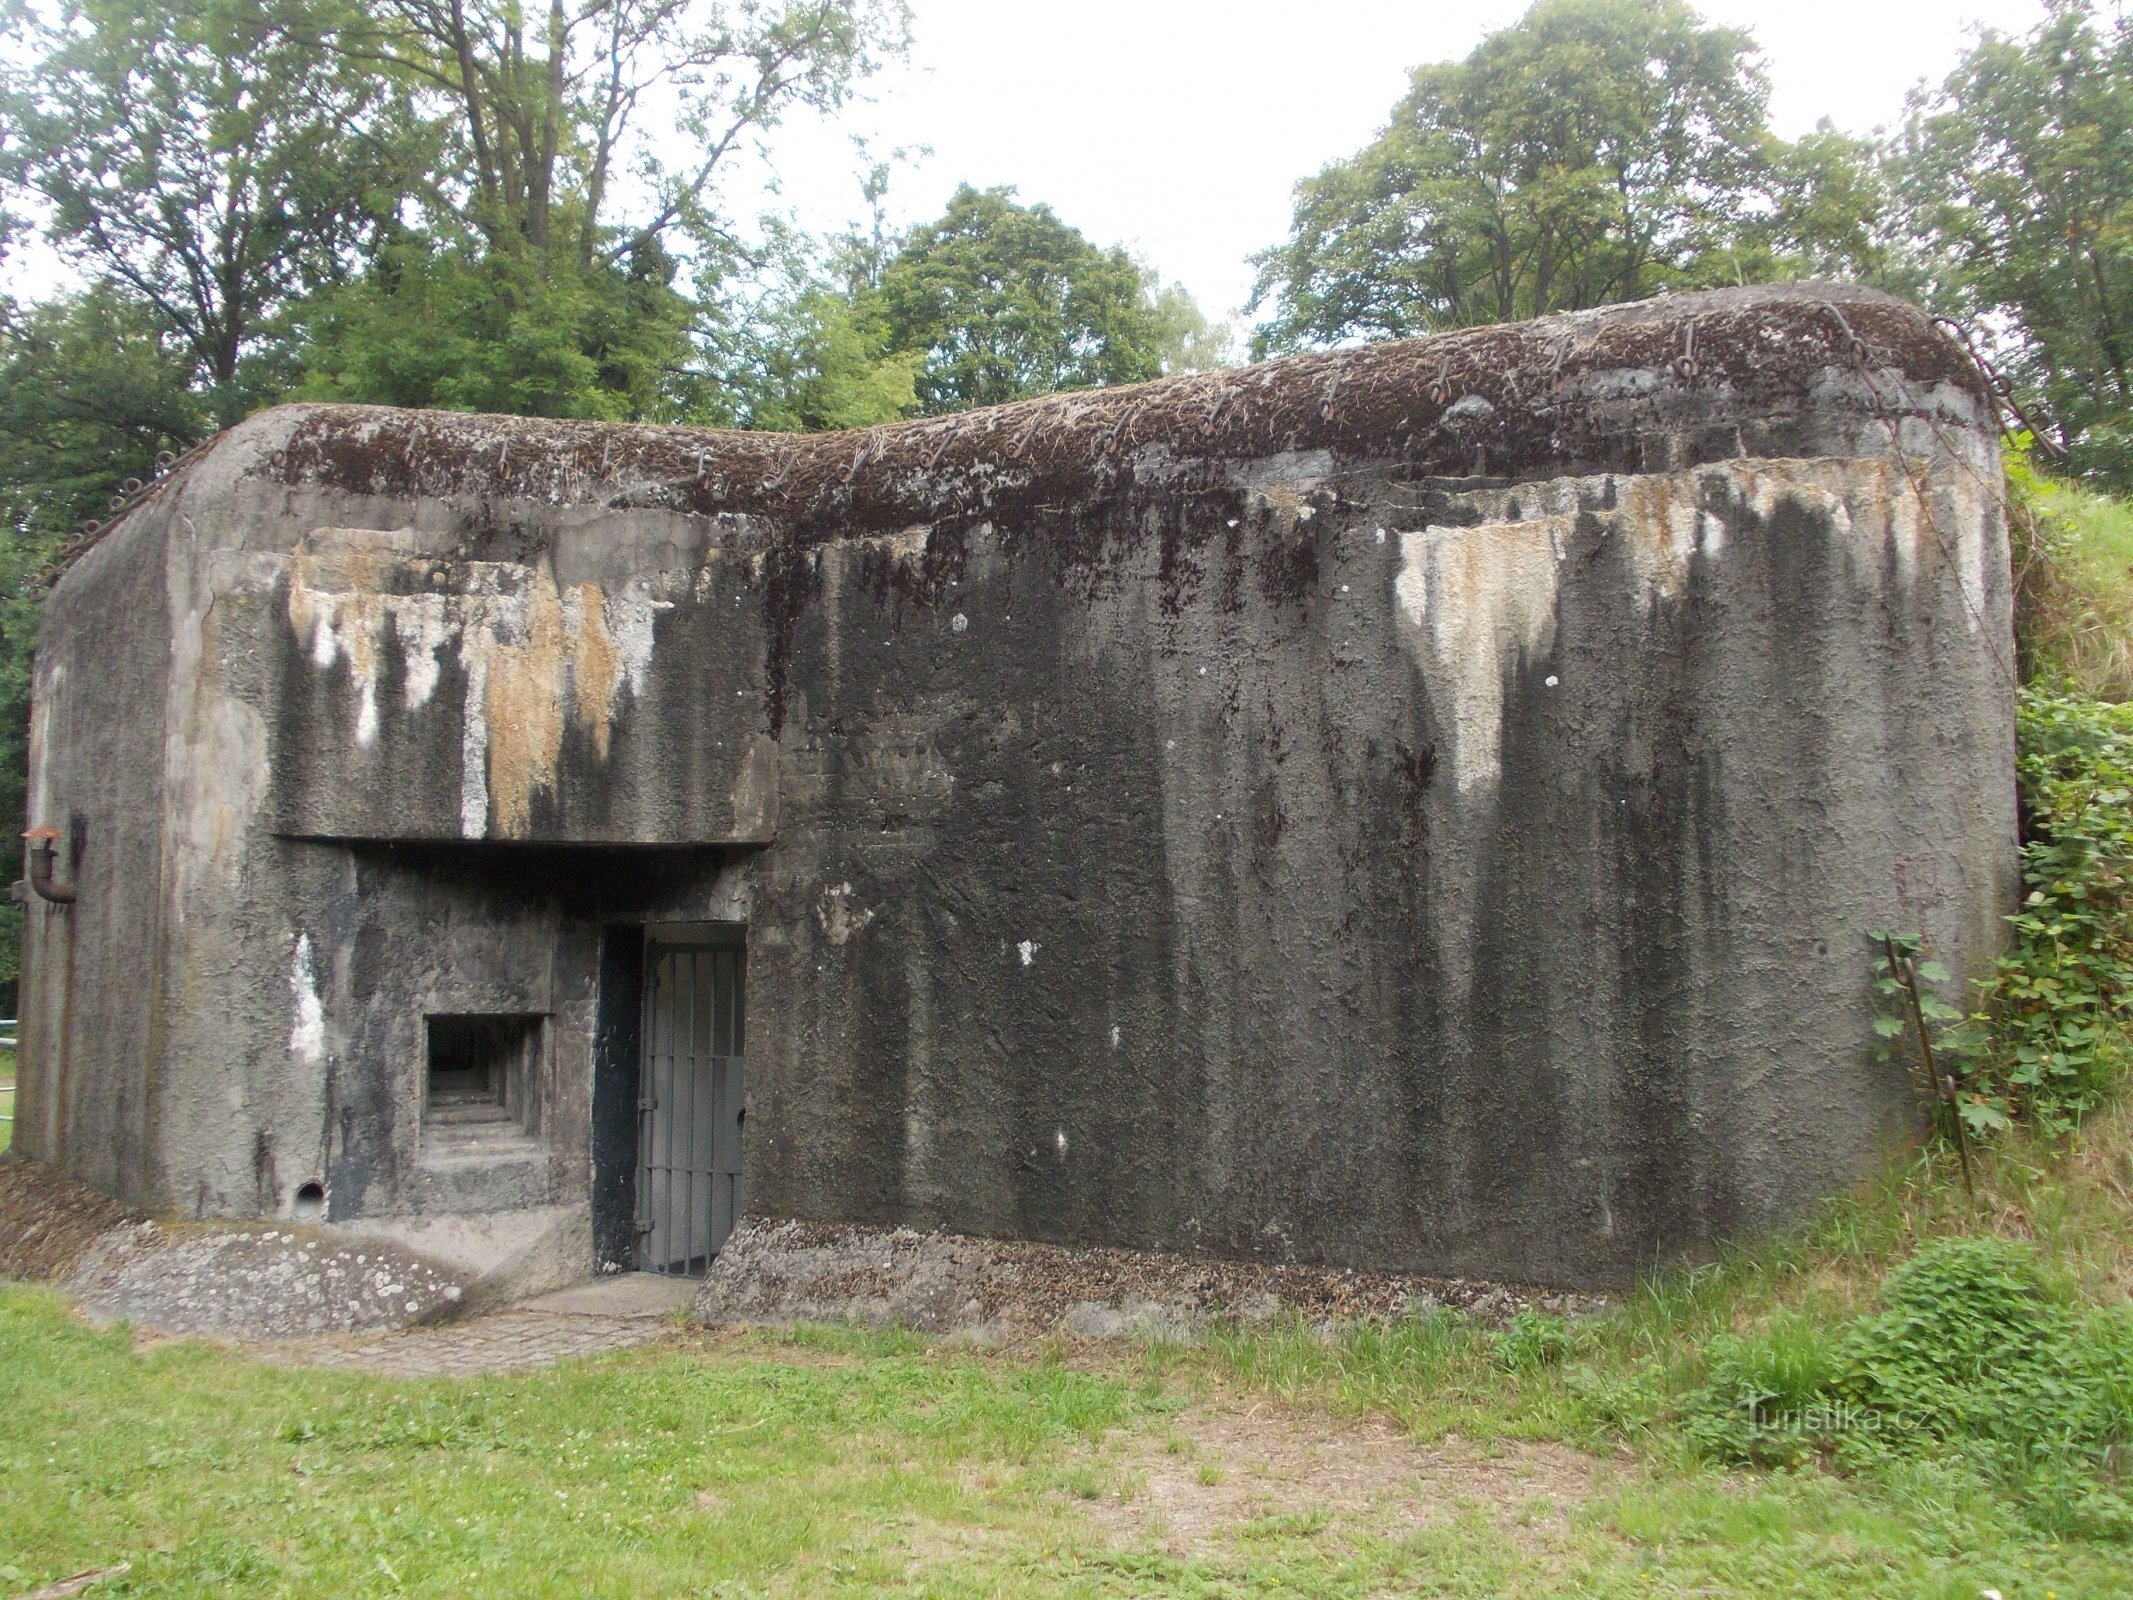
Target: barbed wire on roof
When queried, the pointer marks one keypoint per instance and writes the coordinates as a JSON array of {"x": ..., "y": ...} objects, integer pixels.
[{"x": 132, "y": 493}]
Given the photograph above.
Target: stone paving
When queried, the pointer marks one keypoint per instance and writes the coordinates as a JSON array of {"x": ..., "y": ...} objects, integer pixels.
[{"x": 614, "y": 1315}]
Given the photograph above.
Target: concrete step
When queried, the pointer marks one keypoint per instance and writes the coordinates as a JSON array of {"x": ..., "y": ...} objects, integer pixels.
[{"x": 454, "y": 1113}]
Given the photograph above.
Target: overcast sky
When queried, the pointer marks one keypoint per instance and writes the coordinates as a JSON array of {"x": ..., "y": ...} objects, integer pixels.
[{"x": 1177, "y": 127}]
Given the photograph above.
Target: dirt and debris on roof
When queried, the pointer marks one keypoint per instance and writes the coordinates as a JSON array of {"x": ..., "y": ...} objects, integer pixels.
[{"x": 1520, "y": 393}]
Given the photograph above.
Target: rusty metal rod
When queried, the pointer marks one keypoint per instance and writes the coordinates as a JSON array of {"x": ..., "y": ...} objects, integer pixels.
[{"x": 1905, "y": 972}]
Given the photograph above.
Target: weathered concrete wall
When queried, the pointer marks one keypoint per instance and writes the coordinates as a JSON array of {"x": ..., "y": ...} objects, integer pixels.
[
  {"x": 1419, "y": 807},
  {"x": 92, "y": 1011}
]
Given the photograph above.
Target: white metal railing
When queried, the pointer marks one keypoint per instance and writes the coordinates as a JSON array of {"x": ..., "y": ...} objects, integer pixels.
[{"x": 7, "y": 1042}]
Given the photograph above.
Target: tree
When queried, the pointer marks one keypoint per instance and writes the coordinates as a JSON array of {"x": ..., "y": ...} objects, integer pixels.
[
  {"x": 213, "y": 159},
  {"x": 1188, "y": 342},
  {"x": 92, "y": 388},
  {"x": 1833, "y": 212},
  {"x": 1003, "y": 301},
  {"x": 510, "y": 329},
  {"x": 563, "y": 267},
  {"x": 2019, "y": 171},
  {"x": 1823, "y": 206},
  {"x": 820, "y": 364},
  {"x": 548, "y": 108},
  {"x": 1598, "y": 150}
]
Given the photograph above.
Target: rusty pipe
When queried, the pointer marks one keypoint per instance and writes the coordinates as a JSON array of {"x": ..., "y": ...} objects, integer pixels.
[{"x": 43, "y": 852}]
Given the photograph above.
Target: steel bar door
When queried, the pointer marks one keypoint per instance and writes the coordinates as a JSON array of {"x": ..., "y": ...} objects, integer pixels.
[{"x": 689, "y": 1109}]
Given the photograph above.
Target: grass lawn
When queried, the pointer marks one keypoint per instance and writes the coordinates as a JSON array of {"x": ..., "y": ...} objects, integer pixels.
[{"x": 837, "y": 1462}]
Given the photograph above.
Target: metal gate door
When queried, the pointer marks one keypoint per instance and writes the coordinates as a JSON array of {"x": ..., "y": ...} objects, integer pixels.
[{"x": 689, "y": 1116}]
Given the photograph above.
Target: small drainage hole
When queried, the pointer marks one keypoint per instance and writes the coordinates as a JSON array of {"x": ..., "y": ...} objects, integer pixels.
[{"x": 310, "y": 1203}]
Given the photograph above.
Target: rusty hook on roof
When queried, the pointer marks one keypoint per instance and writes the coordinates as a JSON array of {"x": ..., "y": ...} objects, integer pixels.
[{"x": 1685, "y": 365}]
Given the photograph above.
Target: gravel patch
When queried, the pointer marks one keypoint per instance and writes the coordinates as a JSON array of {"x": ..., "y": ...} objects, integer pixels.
[
  {"x": 238, "y": 1282},
  {"x": 994, "y": 1289},
  {"x": 256, "y": 1283}
]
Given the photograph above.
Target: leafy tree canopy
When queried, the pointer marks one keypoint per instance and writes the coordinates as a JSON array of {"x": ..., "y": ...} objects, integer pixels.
[
  {"x": 819, "y": 364},
  {"x": 563, "y": 261},
  {"x": 210, "y": 157},
  {"x": 1003, "y": 301},
  {"x": 1598, "y": 150},
  {"x": 2019, "y": 172},
  {"x": 507, "y": 329},
  {"x": 993, "y": 301},
  {"x": 93, "y": 387},
  {"x": 562, "y": 118}
]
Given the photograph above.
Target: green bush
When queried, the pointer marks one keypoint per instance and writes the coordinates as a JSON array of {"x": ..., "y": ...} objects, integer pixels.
[
  {"x": 2048, "y": 1042},
  {"x": 1977, "y": 1359},
  {"x": 1979, "y": 1352},
  {"x": 1768, "y": 1399},
  {"x": 1532, "y": 1341},
  {"x": 2073, "y": 564},
  {"x": 1958, "y": 1320}
]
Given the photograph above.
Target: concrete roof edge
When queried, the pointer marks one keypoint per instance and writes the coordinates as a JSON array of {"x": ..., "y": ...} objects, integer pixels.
[{"x": 1518, "y": 397}]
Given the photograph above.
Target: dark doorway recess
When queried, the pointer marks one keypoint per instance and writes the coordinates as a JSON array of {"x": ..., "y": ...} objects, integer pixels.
[
  {"x": 617, "y": 1069},
  {"x": 690, "y": 1101}
]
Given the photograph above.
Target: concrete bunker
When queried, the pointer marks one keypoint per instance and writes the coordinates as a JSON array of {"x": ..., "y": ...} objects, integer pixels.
[{"x": 1416, "y": 807}]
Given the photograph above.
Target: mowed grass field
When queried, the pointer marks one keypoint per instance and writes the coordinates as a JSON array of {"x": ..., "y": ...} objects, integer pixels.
[
  {"x": 1394, "y": 1461},
  {"x": 1429, "y": 1457}
]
